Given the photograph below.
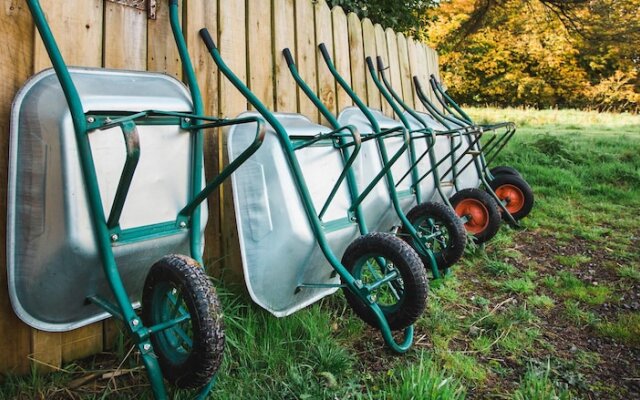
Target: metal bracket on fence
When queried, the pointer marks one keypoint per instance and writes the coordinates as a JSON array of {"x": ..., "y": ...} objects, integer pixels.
[{"x": 150, "y": 6}]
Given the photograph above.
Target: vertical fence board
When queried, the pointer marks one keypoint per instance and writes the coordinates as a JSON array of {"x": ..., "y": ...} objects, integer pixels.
[
  {"x": 356, "y": 51},
  {"x": 423, "y": 75},
  {"x": 162, "y": 53},
  {"x": 261, "y": 56},
  {"x": 125, "y": 37},
  {"x": 382, "y": 50},
  {"x": 198, "y": 15},
  {"x": 341, "y": 56},
  {"x": 370, "y": 50},
  {"x": 405, "y": 70},
  {"x": 305, "y": 54},
  {"x": 232, "y": 45},
  {"x": 284, "y": 36},
  {"x": 77, "y": 27},
  {"x": 394, "y": 63},
  {"x": 16, "y": 65},
  {"x": 414, "y": 71},
  {"x": 324, "y": 34}
]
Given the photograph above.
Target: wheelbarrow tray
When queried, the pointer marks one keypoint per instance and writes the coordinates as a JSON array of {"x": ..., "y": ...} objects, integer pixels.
[
  {"x": 278, "y": 247},
  {"x": 52, "y": 259},
  {"x": 466, "y": 179},
  {"x": 385, "y": 218}
]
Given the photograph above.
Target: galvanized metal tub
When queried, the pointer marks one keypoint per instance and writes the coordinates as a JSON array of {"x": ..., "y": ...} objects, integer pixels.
[
  {"x": 469, "y": 178},
  {"x": 279, "y": 250},
  {"x": 52, "y": 259},
  {"x": 386, "y": 218}
]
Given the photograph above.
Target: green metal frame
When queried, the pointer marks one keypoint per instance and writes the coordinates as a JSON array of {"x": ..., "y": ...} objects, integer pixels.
[
  {"x": 393, "y": 99},
  {"x": 379, "y": 135},
  {"x": 490, "y": 152},
  {"x": 318, "y": 228},
  {"x": 106, "y": 230},
  {"x": 477, "y": 156}
]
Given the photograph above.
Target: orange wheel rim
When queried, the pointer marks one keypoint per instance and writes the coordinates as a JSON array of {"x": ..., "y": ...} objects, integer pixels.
[
  {"x": 513, "y": 196},
  {"x": 477, "y": 214}
]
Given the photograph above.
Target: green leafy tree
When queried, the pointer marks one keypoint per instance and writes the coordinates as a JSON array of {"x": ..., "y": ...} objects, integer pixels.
[{"x": 409, "y": 16}]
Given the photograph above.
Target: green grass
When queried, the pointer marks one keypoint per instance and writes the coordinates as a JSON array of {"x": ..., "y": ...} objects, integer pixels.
[
  {"x": 536, "y": 385},
  {"x": 569, "y": 286},
  {"x": 626, "y": 329},
  {"x": 486, "y": 328}
]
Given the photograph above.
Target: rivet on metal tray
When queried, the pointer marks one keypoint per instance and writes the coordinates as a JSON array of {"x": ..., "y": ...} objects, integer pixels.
[
  {"x": 183, "y": 224},
  {"x": 187, "y": 120},
  {"x": 91, "y": 120},
  {"x": 135, "y": 322},
  {"x": 114, "y": 238},
  {"x": 146, "y": 347}
]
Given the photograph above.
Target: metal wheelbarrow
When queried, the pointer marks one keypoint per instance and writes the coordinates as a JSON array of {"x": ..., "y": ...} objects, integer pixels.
[
  {"x": 511, "y": 192},
  {"x": 456, "y": 187},
  {"x": 290, "y": 250},
  {"x": 429, "y": 227},
  {"x": 98, "y": 220}
]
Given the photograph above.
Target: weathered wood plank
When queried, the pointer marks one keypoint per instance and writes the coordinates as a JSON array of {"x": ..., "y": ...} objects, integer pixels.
[
  {"x": 82, "y": 342},
  {"x": 324, "y": 34},
  {"x": 382, "y": 50},
  {"x": 394, "y": 63},
  {"x": 261, "y": 58},
  {"x": 16, "y": 65},
  {"x": 77, "y": 27},
  {"x": 356, "y": 51},
  {"x": 305, "y": 54},
  {"x": 405, "y": 70},
  {"x": 162, "y": 53},
  {"x": 341, "y": 56},
  {"x": 232, "y": 45},
  {"x": 415, "y": 71},
  {"x": 198, "y": 15},
  {"x": 286, "y": 91},
  {"x": 370, "y": 50},
  {"x": 125, "y": 41}
]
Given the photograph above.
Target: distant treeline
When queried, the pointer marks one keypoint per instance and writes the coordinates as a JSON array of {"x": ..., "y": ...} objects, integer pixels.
[{"x": 539, "y": 53}]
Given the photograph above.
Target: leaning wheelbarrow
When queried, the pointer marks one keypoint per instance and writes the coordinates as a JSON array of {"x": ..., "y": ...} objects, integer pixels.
[
  {"x": 98, "y": 219},
  {"x": 512, "y": 193},
  {"x": 290, "y": 250},
  {"x": 459, "y": 117},
  {"x": 476, "y": 208},
  {"x": 428, "y": 227}
]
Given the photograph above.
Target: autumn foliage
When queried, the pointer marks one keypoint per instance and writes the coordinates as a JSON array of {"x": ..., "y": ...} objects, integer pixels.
[{"x": 528, "y": 53}]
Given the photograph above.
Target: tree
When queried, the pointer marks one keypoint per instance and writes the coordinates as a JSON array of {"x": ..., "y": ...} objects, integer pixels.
[
  {"x": 541, "y": 52},
  {"x": 409, "y": 16}
]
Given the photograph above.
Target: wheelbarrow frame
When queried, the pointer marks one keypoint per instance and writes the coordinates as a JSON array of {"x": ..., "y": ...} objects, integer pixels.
[
  {"x": 478, "y": 161},
  {"x": 106, "y": 229},
  {"x": 362, "y": 291},
  {"x": 380, "y": 135},
  {"x": 460, "y": 117}
]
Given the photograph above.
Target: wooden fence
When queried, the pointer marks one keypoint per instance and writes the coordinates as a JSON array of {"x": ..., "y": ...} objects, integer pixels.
[{"x": 251, "y": 35}]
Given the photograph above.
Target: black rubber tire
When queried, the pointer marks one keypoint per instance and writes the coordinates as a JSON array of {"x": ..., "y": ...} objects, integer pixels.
[
  {"x": 522, "y": 186},
  {"x": 492, "y": 208},
  {"x": 197, "y": 366},
  {"x": 504, "y": 170},
  {"x": 456, "y": 237},
  {"x": 413, "y": 280}
]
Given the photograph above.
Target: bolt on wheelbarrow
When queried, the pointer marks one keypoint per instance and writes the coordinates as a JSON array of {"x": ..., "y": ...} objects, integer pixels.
[
  {"x": 430, "y": 228},
  {"x": 511, "y": 192},
  {"x": 477, "y": 210},
  {"x": 90, "y": 188},
  {"x": 290, "y": 251}
]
